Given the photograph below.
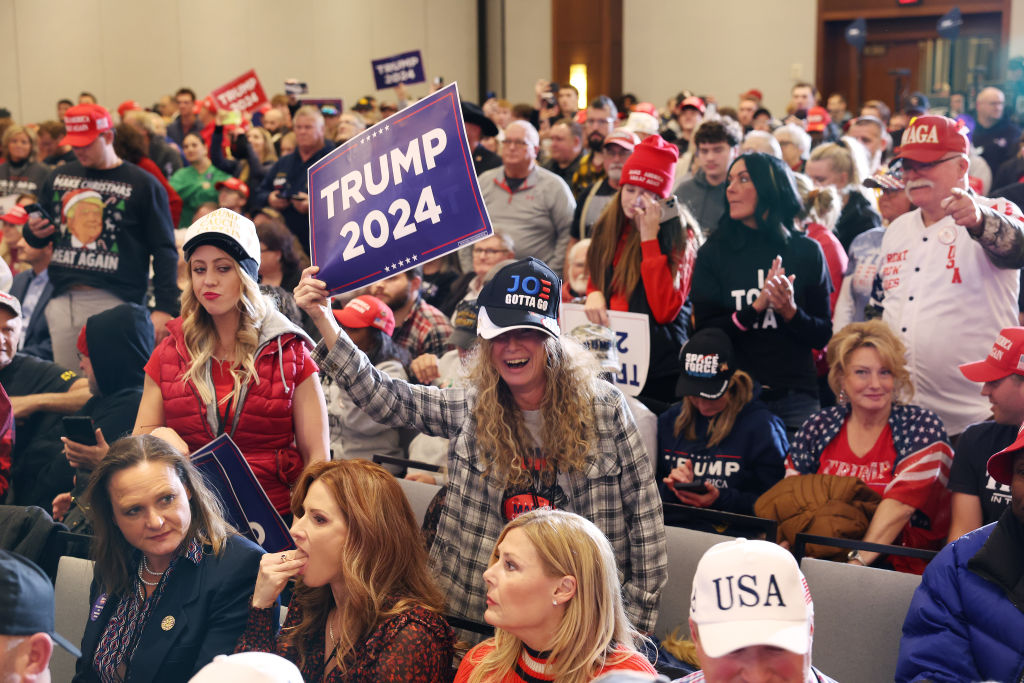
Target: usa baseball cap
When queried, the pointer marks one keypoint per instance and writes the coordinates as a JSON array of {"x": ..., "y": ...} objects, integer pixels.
[
  {"x": 83, "y": 123},
  {"x": 231, "y": 232},
  {"x": 773, "y": 607},
  {"x": 1000, "y": 465},
  {"x": 26, "y": 600},
  {"x": 11, "y": 303},
  {"x": 1006, "y": 358},
  {"x": 367, "y": 311},
  {"x": 523, "y": 294},
  {"x": 707, "y": 365},
  {"x": 929, "y": 138}
]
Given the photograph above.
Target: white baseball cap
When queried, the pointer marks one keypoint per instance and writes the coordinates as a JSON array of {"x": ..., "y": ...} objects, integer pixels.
[
  {"x": 248, "y": 667},
  {"x": 230, "y": 231},
  {"x": 749, "y": 593}
]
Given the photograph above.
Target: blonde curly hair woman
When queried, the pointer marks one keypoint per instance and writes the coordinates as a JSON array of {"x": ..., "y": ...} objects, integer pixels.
[
  {"x": 534, "y": 427},
  {"x": 232, "y": 364}
]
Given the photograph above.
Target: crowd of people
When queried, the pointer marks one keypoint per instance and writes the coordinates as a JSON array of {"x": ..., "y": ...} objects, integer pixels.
[{"x": 836, "y": 340}]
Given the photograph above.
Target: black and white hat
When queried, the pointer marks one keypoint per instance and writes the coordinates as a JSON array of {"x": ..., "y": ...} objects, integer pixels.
[
  {"x": 707, "y": 365},
  {"x": 524, "y": 294},
  {"x": 233, "y": 233}
]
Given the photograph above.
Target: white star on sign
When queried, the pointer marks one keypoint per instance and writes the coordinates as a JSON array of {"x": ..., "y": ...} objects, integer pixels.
[
  {"x": 393, "y": 265},
  {"x": 414, "y": 257},
  {"x": 386, "y": 269},
  {"x": 386, "y": 126}
]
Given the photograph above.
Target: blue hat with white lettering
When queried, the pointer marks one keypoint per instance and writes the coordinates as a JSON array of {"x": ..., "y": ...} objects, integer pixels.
[
  {"x": 708, "y": 363},
  {"x": 523, "y": 294},
  {"x": 748, "y": 593}
]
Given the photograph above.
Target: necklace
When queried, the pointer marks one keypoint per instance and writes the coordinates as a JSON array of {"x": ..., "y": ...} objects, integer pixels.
[
  {"x": 144, "y": 565},
  {"x": 330, "y": 633}
]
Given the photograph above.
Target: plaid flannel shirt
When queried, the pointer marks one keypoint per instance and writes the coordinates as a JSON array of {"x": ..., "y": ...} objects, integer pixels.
[
  {"x": 426, "y": 330},
  {"x": 616, "y": 490}
]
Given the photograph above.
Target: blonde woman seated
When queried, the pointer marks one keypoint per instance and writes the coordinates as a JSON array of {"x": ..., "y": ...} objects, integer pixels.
[
  {"x": 899, "y": 450},
  {"x": 365, "y": 609},
  {"x": 554, "y": 598}
]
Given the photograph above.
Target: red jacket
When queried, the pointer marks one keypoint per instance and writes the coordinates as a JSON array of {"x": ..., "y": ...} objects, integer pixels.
[{"x": 262, "y": 426}]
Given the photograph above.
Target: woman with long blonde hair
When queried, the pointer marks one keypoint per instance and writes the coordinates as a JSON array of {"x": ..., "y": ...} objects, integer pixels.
[
  {"x": 364, "y": 590},
  {"x": 232, "y": 364},
  {"x": 844, "y": 165},
  {"x": 534, "y": 426},
  {"x": 553, "y": 597}
]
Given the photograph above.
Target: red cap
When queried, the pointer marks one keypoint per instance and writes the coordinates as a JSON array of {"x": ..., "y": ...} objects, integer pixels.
[
  {"x": 127, "y": 106},
  {"x": 1000, "y": 465},
  {"x": 84, "y": 123},
  {"x": 691, "y": 101},
  {"x": 929, "y": 138},
  {"x": 16, "y": 215},
  {"x": 233, "y": 184},
  {"x": 82, "y": 345},
  {"x": 205, "y": 103},
  {"x": 652, "y": 166},
  {"x": 1006, "y": 358},
  {"x": 754, "y": 93},
  {"x": 646, "y": 108},
  {"x": 817, "y": 119},
  {"x": 622, "y": 137},
  {"x": 367, "y": 311}
]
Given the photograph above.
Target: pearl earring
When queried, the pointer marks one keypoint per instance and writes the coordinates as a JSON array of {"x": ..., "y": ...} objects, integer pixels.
[{"x": 555, "y": 603}]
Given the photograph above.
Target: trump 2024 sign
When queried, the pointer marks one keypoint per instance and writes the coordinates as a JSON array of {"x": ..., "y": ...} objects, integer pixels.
[{"x": 398, "y": 194}]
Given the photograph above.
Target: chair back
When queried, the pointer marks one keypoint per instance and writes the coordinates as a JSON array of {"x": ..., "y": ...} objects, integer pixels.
[
  {"x": 858, "y": 618},
  {"x": 71, "y": 594},
  {"x": 685, "y": 548},
  {"x": 419, "y": 495}
]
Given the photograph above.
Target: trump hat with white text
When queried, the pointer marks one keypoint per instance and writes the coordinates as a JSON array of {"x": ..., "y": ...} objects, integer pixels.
[
  {"x": 748, "y": 593},
  {"x": 523, "y": 294},
  {"x": 231, "y": 232},
  {"x": 929, "y": 138},
  {"x": 1006, "y": 358},
  {"x": 652, "y": 166},
  {"x": 83, "y": 123}
]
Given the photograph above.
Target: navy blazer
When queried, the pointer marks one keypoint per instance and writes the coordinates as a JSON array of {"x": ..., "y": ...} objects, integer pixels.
[
  {"x": 201, "y": 614},
  {"x": 37, "y": 336}
]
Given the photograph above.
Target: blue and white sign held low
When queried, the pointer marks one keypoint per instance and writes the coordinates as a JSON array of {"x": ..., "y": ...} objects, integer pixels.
[
  {"x": 396, "y": 195},
  {"x": 404, "y": 68},
  {"x": 632, "y": 343}
]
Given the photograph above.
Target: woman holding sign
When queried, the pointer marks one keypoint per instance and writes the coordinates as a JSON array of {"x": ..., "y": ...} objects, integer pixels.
[
  {"x": 534, "y": 427},
  {"x": 641, "y": 261},
  {"x": 232, "y": 364}
]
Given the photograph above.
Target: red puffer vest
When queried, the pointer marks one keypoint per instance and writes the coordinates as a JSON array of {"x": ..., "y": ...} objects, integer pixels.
[{"x": 262, "y": 428}]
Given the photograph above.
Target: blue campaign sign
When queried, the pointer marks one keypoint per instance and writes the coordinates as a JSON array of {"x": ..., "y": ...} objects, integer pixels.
[
  {"x": 246, "y": 506},
  {"x": 396, "y": 195},
  {"x": 404, "y": 68}
]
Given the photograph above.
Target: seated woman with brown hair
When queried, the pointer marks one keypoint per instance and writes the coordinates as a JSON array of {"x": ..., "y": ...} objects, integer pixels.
[
  {"x": 365, "y": 607},
  {"x": 554, "y": 598},
  {"x": 898, "y": 450},
  {"x": 171, "y": 576}
]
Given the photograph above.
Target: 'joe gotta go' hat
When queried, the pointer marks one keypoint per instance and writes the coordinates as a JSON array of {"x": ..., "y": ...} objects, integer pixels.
[
  {"x": 524, "y": 294},
  {"x": 707, "y": 364},
  {"x": 773, "y": 607},
  {"x": 26, "y": 600},
  {"x": 233, "y": 233}
]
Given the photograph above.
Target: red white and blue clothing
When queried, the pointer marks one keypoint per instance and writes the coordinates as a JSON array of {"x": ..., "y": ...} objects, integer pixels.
[{"x": 909, "y": 462}]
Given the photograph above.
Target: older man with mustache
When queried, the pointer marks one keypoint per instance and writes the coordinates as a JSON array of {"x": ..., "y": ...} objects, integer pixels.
[{"x": 948, "y": 278}]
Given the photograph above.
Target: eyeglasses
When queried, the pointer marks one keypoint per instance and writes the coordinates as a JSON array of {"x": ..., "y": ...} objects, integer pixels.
[
  {"x": 919, "y": 166},
  {"x": 484, "y": 251}
]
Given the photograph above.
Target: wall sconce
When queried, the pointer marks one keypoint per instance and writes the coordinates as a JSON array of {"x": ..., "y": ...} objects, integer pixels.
[{"x": 578, "y": 79}]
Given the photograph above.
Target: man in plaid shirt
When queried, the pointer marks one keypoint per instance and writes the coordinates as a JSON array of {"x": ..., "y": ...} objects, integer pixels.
[
  {"x": 419, "y": 327},
  {"x": 614, "y": 486}
]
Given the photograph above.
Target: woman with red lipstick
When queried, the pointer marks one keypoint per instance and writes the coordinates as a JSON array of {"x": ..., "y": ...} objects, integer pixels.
[
  {"x": 901, "y": 451},
  {"x": 554, "y": 600},
  {"x": 720, "y": 437},
  {"x": 533, "y": 426},
  {"x": 232, "y": 364},
  {"x": 172, "y": 577},
  {"x": 366, "y": 609}
]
